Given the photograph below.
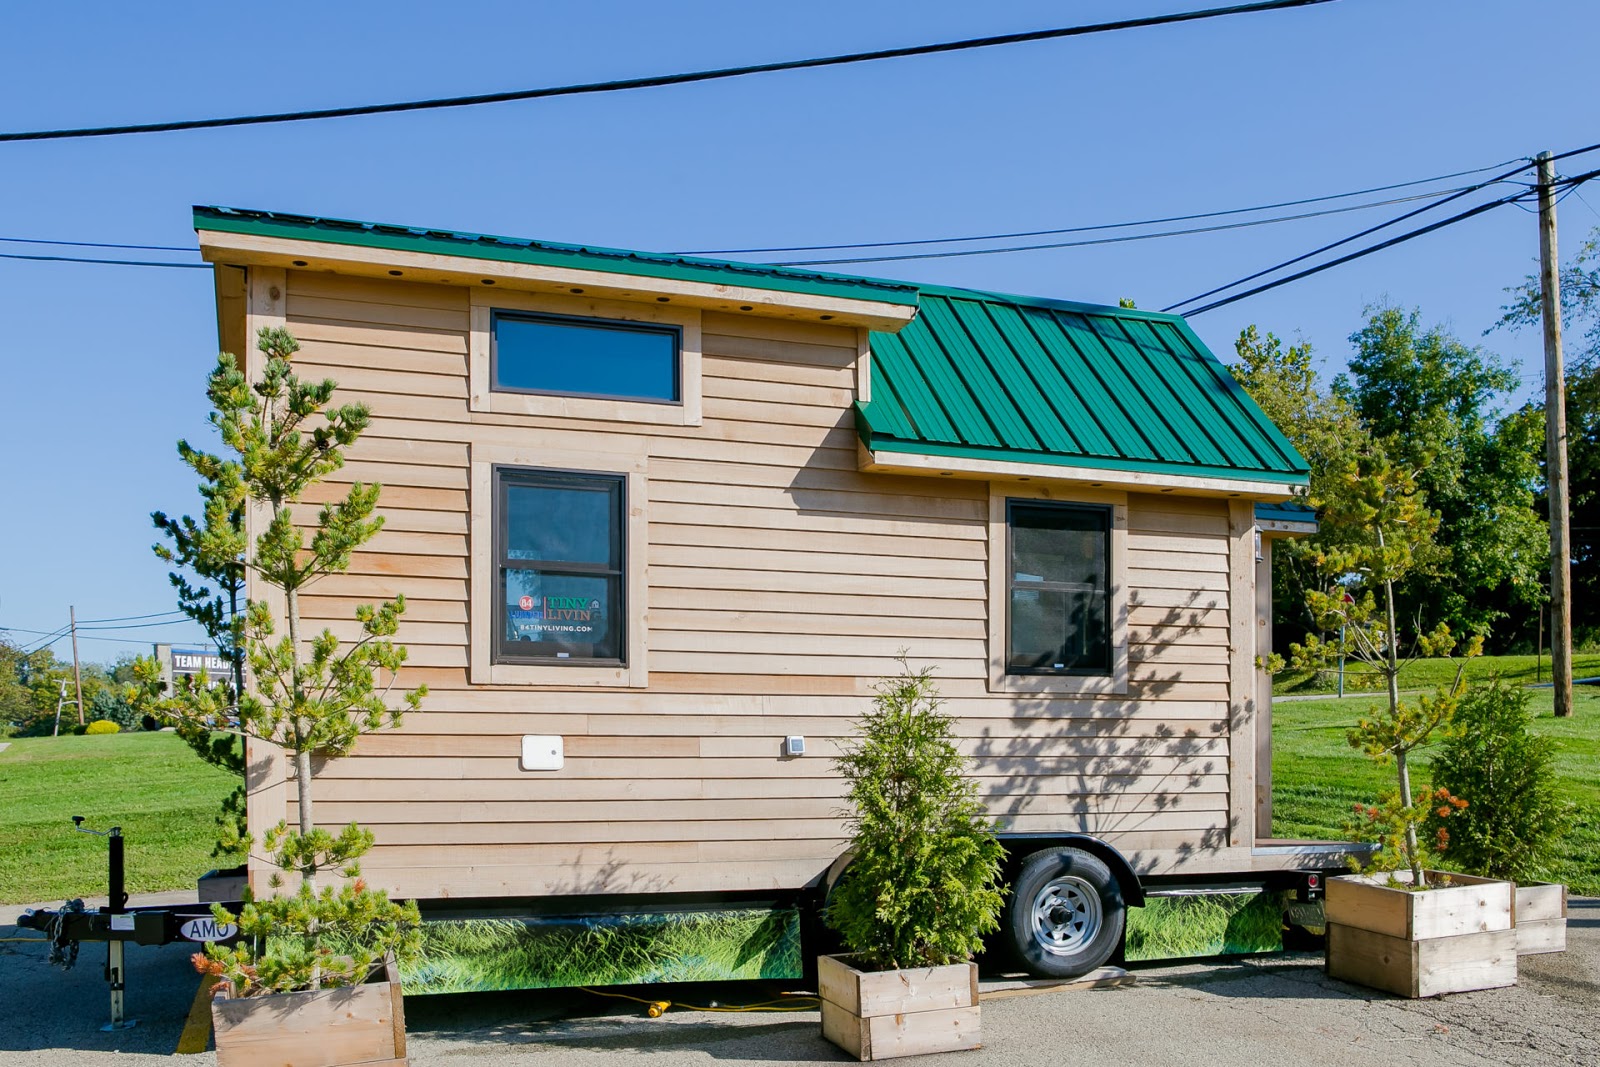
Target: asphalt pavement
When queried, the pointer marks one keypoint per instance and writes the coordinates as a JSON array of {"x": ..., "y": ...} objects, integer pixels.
[{"x": 1268, "y": 1011}]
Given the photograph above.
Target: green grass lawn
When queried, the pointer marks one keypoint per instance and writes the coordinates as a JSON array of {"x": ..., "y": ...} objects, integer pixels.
[
  {"x": 1431, "y": 673},
  {"x": 1317, "y": 777},
  {"x": 161, "y": 794}
]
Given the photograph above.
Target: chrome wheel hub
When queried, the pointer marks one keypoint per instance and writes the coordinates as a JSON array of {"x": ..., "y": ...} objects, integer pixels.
[{"x": 1066, "y": 915}]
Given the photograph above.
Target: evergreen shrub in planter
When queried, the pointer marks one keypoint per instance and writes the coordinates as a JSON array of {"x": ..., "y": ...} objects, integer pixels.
[{"x": 922, "y": 888}]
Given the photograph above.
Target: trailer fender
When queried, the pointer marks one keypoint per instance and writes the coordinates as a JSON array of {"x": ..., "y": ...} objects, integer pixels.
[{"x": 1019, "y": 846}]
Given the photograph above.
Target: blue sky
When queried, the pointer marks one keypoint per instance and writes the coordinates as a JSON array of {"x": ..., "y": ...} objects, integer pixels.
[{"x": 103, "y": 366}]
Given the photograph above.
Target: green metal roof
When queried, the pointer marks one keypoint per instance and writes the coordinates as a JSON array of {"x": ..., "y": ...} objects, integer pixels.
[
  {"x": 1286, "y": 511},
  {"x": 544, "y": 253},
  {"x": 1020, "y": 379}
]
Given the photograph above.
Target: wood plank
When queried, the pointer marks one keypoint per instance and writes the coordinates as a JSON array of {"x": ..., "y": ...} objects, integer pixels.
[
  {"x": 404, "y": 520},
  {"x": 792, "y": 457},
  {"x": 790, "y": 562},
  {"x": 668, "y": 469},
  {"x": 887, "y": 992},
  {"x": 839, "y": 502},
  {"x": 1146, "y": 521},
  {"x": 453, "y": 501},
  {"x": 846, "y": 666},
  {"x": 331, "y": 359},
  {"x": 406, "y": 406},
  {"x": 379, "y": 336},
  {"x": 819, "y": 624},
  {"x": 376, "y": 290},
  {"x": 784, "y": 585},
  {"x": 716, "y": 407},
  {"x": 419, "y": 769},
  {"x": 1362, "y": 902},
  {"x": 789, "y": 517},
  {"x": 773, "y": 352},
  {"x": 412, "y": 632},
  {"x": 1540, "y": 900},
  {"x": 393, "y": 312},
  {"x": 792, "y": 363},
  {"x": 866, "y": 543},
  {"x": 402, "y": 543},
  {"x": 788, "y": 331},
  {"x": 400, "y": 474},
  {"x": 352, "y": 1025},
  {"x": 1541, "y": 935},
  {"x": 454, "y": 874},
  {"x": 1486, "y": 959},
  {"x": 768, "y": 392},
  {"x": 769, "y": 643}
]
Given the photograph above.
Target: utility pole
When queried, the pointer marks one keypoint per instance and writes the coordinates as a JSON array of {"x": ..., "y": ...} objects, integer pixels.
[
  {"x": 77, "y": 673},
  {"x": 1555, "y": 442}
]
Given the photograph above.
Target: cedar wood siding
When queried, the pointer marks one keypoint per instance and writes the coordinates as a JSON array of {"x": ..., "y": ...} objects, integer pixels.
[{"x": 781, "y": 582}]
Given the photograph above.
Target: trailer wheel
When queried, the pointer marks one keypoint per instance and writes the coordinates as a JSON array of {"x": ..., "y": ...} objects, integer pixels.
[{"x": 1065, "y": 914}]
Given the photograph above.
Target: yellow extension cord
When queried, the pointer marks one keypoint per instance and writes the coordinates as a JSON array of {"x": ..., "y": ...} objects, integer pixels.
[{"x": 657, "y": 1008}]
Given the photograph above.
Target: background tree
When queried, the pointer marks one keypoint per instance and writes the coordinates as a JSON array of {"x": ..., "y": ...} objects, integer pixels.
[
  {"x": 307, "y": 693},
  {"x": 208, "y": 557},
  {"x": 1433, "y": 402},
  {"x": 1283, "y": 381},
  {"x": 1580, "y": 311}
]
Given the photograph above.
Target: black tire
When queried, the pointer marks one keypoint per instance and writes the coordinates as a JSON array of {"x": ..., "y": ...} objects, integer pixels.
[{"x": 1065, "y": 914}]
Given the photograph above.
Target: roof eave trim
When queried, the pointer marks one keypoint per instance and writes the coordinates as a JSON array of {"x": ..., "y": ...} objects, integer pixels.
[
  {"x": 878, "y": 454},
  {"x": 220, "y": 236}
]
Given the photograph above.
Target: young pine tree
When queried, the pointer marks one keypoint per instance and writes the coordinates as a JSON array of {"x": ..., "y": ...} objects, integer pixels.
[
  {"x": 1377, "y": 533},
  {"x": 307, "y": 693}
]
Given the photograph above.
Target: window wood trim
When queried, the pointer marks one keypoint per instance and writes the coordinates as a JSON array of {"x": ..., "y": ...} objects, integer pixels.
[
  {"x": 1116, "y": 682},
  {"x": 482, "y": 396},
  {"x": 632, "y": 463}
]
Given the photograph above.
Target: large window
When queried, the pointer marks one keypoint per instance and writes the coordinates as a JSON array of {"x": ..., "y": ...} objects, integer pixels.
[
  {"x": 566, "y": 356},
  {"x": 1059, "y": 619},
  {"x": 559, "y": 549}
]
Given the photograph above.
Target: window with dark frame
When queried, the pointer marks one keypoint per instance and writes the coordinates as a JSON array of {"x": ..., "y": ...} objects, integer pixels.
[
  {"x": 604, "y": 358},
  {"x": 1059, "y": 558},
  {"x": 560, "y": 594}
]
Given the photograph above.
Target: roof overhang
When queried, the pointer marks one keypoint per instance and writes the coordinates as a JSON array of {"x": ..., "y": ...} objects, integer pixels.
[
  {"x": 418, "y": 258},
  {"x": 924, "y": 459},
  {"x": 1286, "y": 520}
]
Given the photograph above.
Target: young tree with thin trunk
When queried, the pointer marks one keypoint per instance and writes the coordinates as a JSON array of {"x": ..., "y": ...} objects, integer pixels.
[
  {"x": 1378, "y": 534},
  {"x": 310, "y": 694}
]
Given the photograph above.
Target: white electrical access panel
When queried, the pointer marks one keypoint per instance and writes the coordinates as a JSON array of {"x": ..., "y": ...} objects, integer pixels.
[{"x": 543, "y": 752}]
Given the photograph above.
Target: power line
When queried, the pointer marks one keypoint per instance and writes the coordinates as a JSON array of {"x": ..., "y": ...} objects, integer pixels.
[
  {"x": 96, "y": 244},
  {"x": 1005, "y": 249},
  {"x": 139, "y": 625},
  {"x": 656, "y": 81},
  {"x": 1102, "y": 226},
  {"x": 1571, "y": 184},
  {"x": 108, "y": 262},
  {"x": 1452, "y": 220},
  {"x": 136, "y": 618},
  {"x": 1353, "y": 237}
]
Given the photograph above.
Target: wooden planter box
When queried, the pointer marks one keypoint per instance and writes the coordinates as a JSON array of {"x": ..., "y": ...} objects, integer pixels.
[
  {"x": 1446, "y": 940},
  {"x": 878, "y": 1015},
  {"x": 1541, "y": 918},
  {"x": 364, "y": 1024}
]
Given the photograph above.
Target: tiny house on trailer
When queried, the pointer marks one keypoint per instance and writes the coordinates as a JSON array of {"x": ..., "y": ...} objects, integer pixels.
[{"x": 661, "y": 522}]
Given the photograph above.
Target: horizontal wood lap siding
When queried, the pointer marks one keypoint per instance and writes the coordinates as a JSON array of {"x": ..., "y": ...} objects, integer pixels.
[{"x": 782, "y": 581}]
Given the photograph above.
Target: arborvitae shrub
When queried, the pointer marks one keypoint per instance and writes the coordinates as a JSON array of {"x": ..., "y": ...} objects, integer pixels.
[
  {"x": 924, "y": 885},
  {"x": 1506, "y": 774}
]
